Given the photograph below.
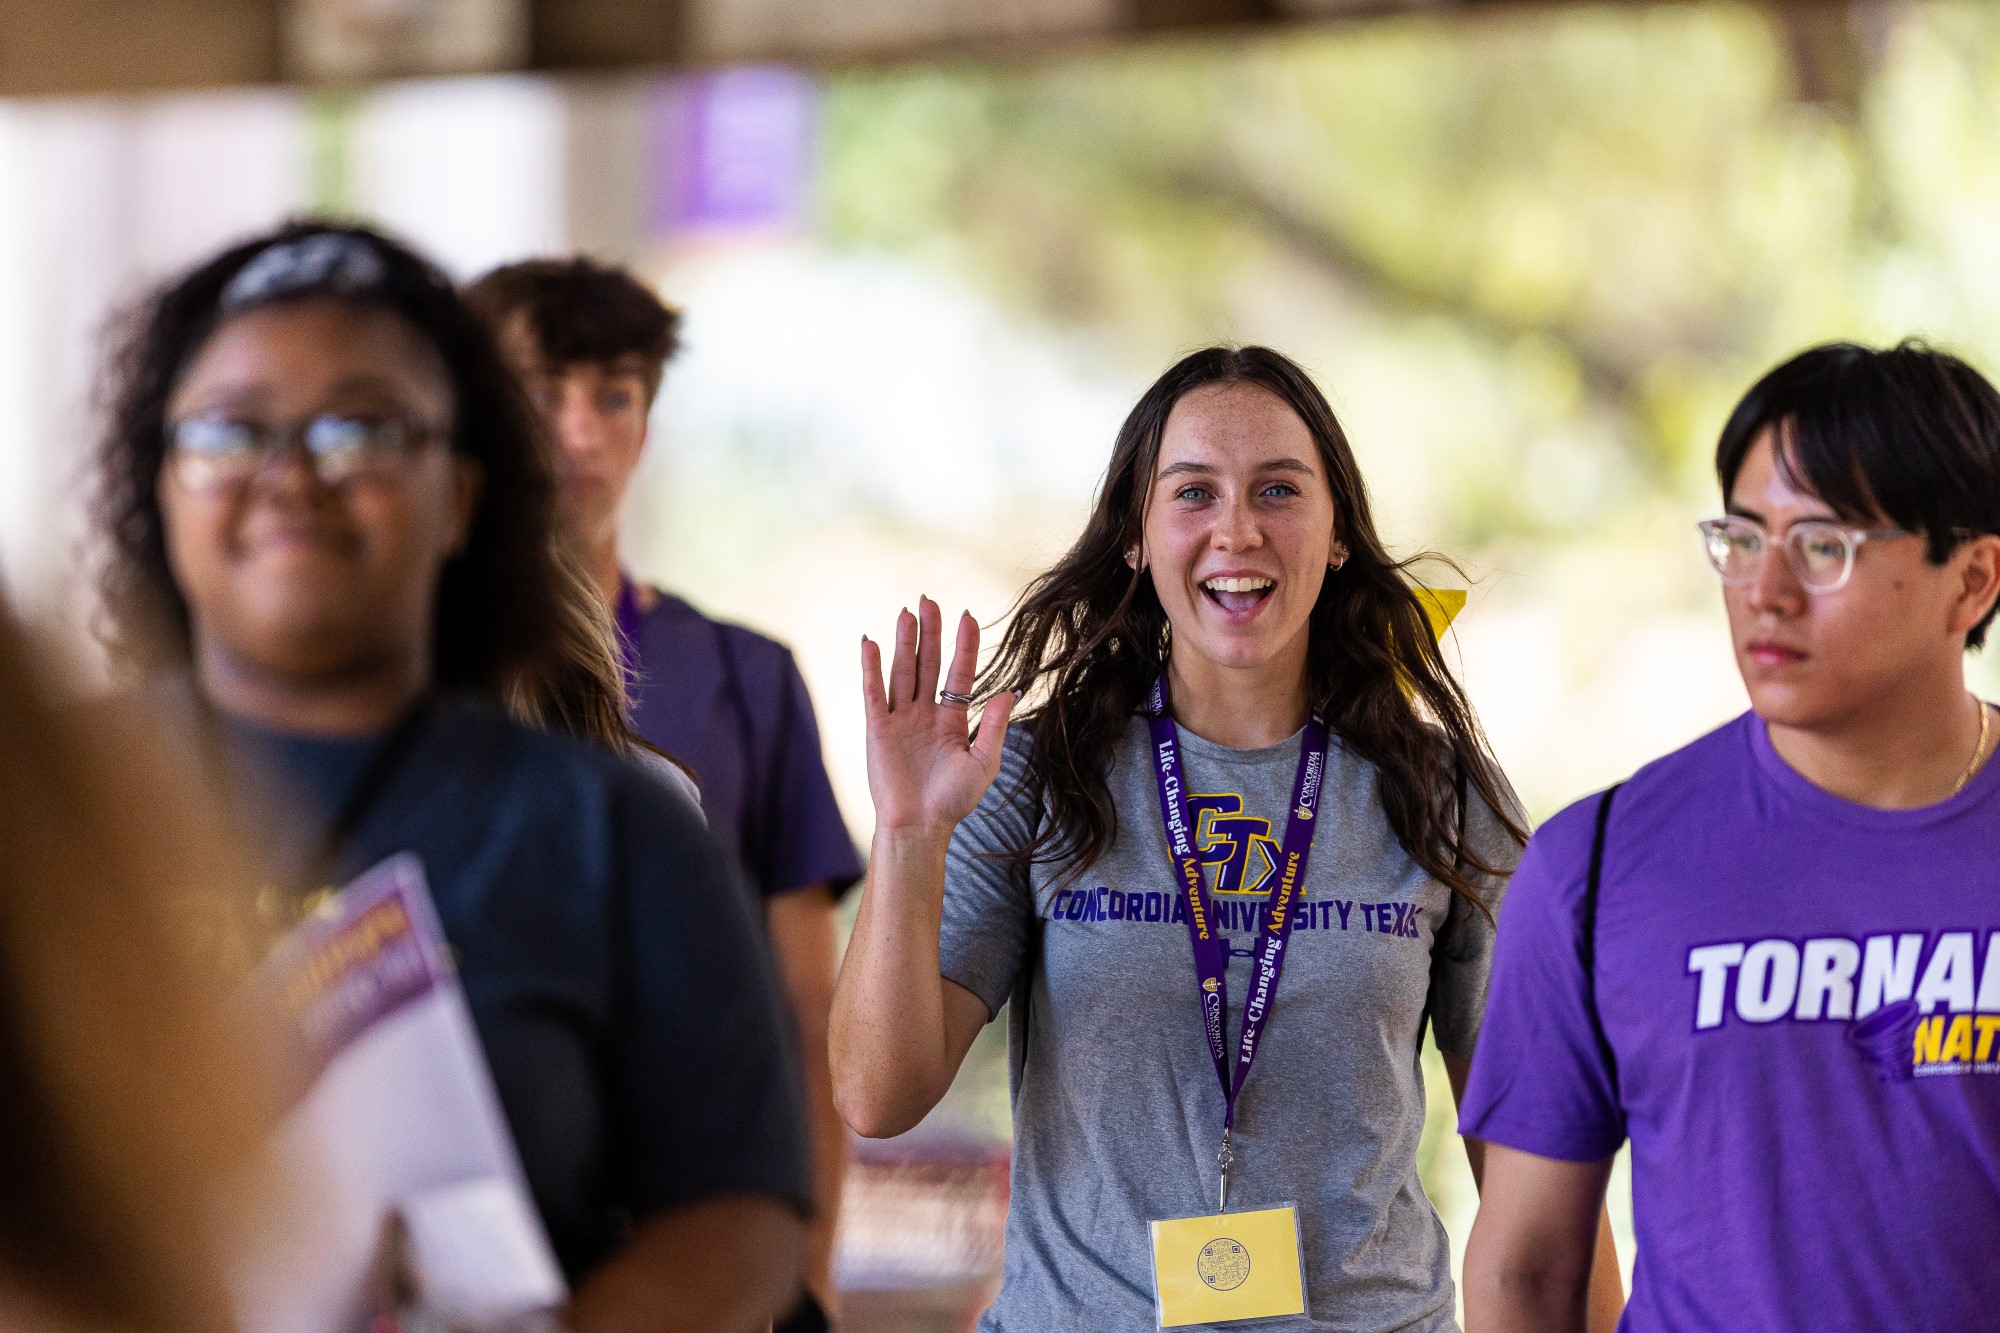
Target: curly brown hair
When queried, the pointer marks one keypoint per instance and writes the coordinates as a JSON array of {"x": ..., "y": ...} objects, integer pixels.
[{"x": 581, "y": 310}]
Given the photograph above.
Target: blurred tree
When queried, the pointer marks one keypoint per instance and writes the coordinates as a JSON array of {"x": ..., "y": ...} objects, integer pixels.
[{"x": 1596, "y": 224}]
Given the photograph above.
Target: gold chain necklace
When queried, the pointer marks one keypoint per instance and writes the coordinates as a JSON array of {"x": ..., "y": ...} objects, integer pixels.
[{"x": 1978, "y": 751}]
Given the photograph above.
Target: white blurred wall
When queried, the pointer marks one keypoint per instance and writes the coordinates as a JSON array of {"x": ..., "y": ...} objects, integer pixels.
[
  {"x": 101, "y": 200},
  {"x": 96, "y": 199}
]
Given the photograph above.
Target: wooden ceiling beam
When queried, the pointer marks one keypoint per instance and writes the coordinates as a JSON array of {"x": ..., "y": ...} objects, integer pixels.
[{"x": 115, "y": 47}]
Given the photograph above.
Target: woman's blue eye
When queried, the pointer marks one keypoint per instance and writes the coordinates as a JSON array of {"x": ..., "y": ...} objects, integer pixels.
[
  {"x": 1281, "y": 488},
  {"x": 1192, "y": 493}
]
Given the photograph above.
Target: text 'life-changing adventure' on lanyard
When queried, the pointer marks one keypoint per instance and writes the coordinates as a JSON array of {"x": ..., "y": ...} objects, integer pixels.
[{"x": 1272, "y": 935}]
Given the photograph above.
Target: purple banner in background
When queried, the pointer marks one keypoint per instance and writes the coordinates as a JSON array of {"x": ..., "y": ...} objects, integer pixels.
[{"x": 733, "y": 152}]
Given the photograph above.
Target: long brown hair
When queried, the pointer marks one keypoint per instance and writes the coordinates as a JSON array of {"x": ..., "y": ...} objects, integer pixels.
[
  {"x": 1088, "y": 638},
  {"x": 578, "y": 688},
  {"x": 130, "y": 1102},
  {"x": 579, "y": 685}
]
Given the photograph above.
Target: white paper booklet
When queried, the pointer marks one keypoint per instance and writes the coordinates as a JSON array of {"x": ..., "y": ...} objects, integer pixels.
[{"x": 395, "y": 1114}]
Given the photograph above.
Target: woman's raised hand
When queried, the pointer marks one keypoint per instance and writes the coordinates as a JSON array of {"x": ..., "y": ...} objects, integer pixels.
[{"x": 924, "y": 772}]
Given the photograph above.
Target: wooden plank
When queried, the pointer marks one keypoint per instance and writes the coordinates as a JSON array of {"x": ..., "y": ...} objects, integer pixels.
[
  {"x": 70, "y": 47},
  {"x": 609, "y": 34},
  {"x": 741, "y": 30},
  {"x": 56, "y": 47}
]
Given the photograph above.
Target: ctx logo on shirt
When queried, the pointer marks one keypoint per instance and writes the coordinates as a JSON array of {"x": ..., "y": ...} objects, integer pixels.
[
  {"x": 1889, "y": 990},
  {"x": 1238, "y": 846}
]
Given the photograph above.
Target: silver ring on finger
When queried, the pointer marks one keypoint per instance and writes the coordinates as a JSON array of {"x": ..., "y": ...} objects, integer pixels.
[{"x": 951, "y": 697}]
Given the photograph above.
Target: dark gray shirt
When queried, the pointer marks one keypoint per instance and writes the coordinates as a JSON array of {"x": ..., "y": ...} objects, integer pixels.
[
  {"x": 1117, "y": 1109},
  {"x": 621, "y": 989}
]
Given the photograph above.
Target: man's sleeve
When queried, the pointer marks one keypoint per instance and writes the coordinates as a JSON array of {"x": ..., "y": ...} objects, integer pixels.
[
  {"x": 989, "y": 908},
  {"x": 1540, "y": 1081},
  {"x": 704, "y": 1078},
  {"x": 802, "y": 840}
]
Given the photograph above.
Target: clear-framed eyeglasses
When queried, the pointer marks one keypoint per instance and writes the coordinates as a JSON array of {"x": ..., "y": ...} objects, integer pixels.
[
  {"x": 1820, "y": 552},
  {"x": 217, "y": 450}
]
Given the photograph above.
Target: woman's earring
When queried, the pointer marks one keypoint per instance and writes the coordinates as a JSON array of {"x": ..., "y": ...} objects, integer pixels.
[
  {"x": 1339, "y": 557},
  {"x": 1132, "y": 556}
]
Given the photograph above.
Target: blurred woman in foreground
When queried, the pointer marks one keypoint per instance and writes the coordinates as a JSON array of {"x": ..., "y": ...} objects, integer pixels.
[
  {"x": 333, "y": 554},
  {"x": 125, "y": 1098}
]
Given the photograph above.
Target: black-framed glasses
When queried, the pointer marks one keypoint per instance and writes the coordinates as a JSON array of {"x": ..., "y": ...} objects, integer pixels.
[
  {"x": 1820, "y": 552},
  {"x": 220, "y": 450}
]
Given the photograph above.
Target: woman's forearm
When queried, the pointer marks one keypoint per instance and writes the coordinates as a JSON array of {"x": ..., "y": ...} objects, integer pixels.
[{"x": 893, "y": 1055}]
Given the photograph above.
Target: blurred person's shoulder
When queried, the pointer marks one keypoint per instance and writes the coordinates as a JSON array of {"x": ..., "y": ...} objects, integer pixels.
[
  {"x": 673, "y": 777},
  {"x": 562, "y": 772}
]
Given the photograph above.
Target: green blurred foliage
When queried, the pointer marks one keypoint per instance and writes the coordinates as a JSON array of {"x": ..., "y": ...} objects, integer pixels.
[
  {"x": 1534, "y": 256},
  {"x": 1566, "y": 239}
]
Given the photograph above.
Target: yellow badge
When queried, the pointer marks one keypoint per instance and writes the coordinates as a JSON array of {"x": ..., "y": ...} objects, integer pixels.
[{"x": 1228, "y": 1266}]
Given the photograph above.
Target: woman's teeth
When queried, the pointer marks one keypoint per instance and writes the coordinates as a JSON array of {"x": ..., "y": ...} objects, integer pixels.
[{"x": 1238, "y": 594}]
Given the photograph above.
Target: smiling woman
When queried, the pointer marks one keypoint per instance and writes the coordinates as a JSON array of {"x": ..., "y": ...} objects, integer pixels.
[
  {"x": 1233, "y": 467},
  {"x": 1241, "y": 743},
  {"x": 312, "y": 589},
  {"x": 334, "y": 561}
]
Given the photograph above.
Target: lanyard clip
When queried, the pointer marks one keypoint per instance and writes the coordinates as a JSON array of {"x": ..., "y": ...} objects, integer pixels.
[{"x": 1224, "y": 1159}]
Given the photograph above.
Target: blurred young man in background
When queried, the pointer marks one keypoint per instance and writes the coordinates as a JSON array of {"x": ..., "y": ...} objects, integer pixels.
[
  {"x": 1773, "y": 960},
  {"x": 591, "y": 344}
]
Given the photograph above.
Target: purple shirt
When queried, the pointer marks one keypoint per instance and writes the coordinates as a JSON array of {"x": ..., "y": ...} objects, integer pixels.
[
  {"x": 730, "y": 704},
  {"x": 1800, "y": 1008}
]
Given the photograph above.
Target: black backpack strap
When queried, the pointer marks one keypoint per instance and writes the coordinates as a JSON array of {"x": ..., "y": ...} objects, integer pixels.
[{"x": 1588, "y": 944}]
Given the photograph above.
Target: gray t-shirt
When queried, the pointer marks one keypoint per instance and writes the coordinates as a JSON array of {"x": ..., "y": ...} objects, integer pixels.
[{"x": 1117, "y": 1109}]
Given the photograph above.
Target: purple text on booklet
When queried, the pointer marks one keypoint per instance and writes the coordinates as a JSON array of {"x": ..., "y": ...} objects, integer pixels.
[{"x": 367, "y": 952}]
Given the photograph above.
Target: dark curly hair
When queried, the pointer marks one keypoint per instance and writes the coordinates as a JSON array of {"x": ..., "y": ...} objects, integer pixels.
[
  {"x": 581, "y": 310},
  {"x": 1089, "y": 637},
  {"x": 504, "y": 606}
]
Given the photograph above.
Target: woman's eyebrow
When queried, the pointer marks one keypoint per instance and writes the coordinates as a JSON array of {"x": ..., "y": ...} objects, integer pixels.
[
  {"x": 365, "y": 382},
  {"x": 228, "y": 397},
  {"x": 1188, "y": 467}
]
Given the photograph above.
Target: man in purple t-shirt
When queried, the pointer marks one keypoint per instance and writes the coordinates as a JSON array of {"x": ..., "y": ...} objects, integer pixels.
[
  {"x": 1772, "y": 959},
  {"x": 591, "y": 344}
]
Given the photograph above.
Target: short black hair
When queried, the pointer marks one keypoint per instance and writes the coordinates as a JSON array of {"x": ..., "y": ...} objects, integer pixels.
[
  {"x": 500, "y": 601},
  {"x": 582, "y": 310},
  {"x": 1909, "y": 433}
]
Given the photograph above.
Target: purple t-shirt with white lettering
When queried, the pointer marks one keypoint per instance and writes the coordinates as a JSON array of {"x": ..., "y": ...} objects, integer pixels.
[{"x": 1799, "y": 1001}]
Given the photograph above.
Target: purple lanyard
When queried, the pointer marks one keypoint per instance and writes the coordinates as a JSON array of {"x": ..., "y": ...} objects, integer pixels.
[
  {"x": 630, "y": 627},
  {"x": 1275, "y": 932}
]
